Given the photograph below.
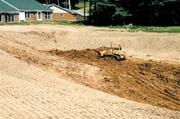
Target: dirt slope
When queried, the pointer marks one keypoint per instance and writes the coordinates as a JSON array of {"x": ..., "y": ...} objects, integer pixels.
[
  {"x": 28, "y": 92},
  {"x": 138, "y": 44},
  {"x": 156, "y": 83},
  {"x": 41, "y": 83},
  {"x": 143, "y": 81}
]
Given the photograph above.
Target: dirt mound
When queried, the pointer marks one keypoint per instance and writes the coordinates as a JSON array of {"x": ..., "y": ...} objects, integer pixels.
[
  {"x": 156, "y": 83},
  {"x": 36, "y": 75},
  {"x": 88, "y": 53},
  {"x": 27, "y": 92}
]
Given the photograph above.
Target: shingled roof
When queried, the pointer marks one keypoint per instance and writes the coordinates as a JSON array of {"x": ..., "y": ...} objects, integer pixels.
[
  {"x": 65, "y": 9},
  {"x": 27, "y": 5},
  {"x": 5, "y": 8},
  {"x": 70, "y": 11}
]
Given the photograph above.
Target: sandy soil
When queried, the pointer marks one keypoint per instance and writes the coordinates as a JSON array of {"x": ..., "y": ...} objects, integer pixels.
[
  {"x": 39, "y": 84},
  {"x": 151, "y": 82},
  {"x": 138, "y": 44}
]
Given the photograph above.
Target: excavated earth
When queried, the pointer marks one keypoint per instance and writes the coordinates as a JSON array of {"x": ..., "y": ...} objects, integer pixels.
[
  {"x": 145, "y": 81},
  {"x": 40, "y": 74}
]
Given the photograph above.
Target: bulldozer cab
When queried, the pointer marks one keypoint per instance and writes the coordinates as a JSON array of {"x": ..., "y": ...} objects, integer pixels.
[
  {"x": 113, "y": 52},
  {"x": 115, "y": 46}
]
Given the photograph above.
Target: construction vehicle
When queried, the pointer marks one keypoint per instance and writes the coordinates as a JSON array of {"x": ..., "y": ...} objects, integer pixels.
[{"x": 113, "y": 52}]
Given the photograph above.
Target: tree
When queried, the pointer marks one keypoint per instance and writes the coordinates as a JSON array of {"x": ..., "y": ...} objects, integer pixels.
[
  {"x": 140, "y": 12},
  {"x": 109, "y": 12}
]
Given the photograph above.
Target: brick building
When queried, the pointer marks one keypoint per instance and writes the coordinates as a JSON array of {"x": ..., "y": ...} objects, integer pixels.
[
  {"x": 64, "y": 14},
  {"x": 23, "y": 10}
]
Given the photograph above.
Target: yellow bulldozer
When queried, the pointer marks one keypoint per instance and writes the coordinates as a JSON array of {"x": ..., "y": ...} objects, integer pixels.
[{"x": 114, "y": 53}]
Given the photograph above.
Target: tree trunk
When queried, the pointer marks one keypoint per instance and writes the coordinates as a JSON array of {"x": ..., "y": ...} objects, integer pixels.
[
  {"x": 58, "y": 2},
  {"x": 69, "y": 4}
]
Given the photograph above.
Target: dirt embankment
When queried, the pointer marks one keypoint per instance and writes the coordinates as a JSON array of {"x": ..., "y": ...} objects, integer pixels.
[
  {"x": 150, "y": 82},
  {"x": 156, "y": 46},
  {"x": 28, "y": 92},
  {"x": 145, "y": 81}
]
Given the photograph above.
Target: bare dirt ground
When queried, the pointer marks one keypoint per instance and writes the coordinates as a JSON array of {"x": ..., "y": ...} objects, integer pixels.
[
  {"x": 138, "y": 44},
  {"x": 39, "y": 80}
]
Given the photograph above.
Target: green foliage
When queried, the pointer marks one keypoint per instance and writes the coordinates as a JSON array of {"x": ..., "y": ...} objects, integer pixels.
[
  {"x": 121, "y": 12},
  {"x": 159, "y": 29},
  {"x": 67, "y": 23},
  {"x": 140, "y": 12},
  {"x": 80, "y": 6}
]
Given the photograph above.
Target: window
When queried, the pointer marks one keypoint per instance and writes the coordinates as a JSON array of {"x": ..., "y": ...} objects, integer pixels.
[
  {"x": 27, "y": 15},
  {"x": 10, "y": 17},
  {"x": 0, "y": 18},
  {"x": 62, "y": 15},
  {"x": 47, "y": 15}
]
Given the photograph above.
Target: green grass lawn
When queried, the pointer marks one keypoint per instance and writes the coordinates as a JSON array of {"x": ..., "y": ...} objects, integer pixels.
[
  {"x": 173, "y": 29},
  {"x": 45, "y": 22},
  {"x": 161, "y": 29}
]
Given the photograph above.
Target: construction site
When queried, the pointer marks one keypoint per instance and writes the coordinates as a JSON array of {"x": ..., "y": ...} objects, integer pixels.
[{"x": 56, "y": 71}]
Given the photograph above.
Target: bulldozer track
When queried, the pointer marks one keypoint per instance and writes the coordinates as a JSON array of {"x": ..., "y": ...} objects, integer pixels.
[{"x": 44, "y": 83}]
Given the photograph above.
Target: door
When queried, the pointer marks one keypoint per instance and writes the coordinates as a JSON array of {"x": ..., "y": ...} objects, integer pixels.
[
  {"x": 6, "y": 18},
  {"x": 11, "y": 18},
  {"x": 22, "y": 16}
]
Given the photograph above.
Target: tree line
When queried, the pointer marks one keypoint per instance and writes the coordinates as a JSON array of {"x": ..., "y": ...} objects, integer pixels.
[{"x": 139, "y": 12}]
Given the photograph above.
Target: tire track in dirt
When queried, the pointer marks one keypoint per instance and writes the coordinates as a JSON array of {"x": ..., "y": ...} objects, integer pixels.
[
  {"x": 28, "y": 104},
  {"x": 134, "y": 79},
  {"x": 24, "y": 54},
  {"x": 138, "y": 84},
  {"x": 43, "y": 97}
]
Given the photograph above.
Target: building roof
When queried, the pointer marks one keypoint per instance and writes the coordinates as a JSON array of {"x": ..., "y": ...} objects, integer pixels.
[
  {"x": 70, "y": 11},
  {"x": 27, "y": 5},
  {"x": 5, "y": 8},
  {"x": 79, "y": 12},
  {"x": 65, "y": 9}
]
